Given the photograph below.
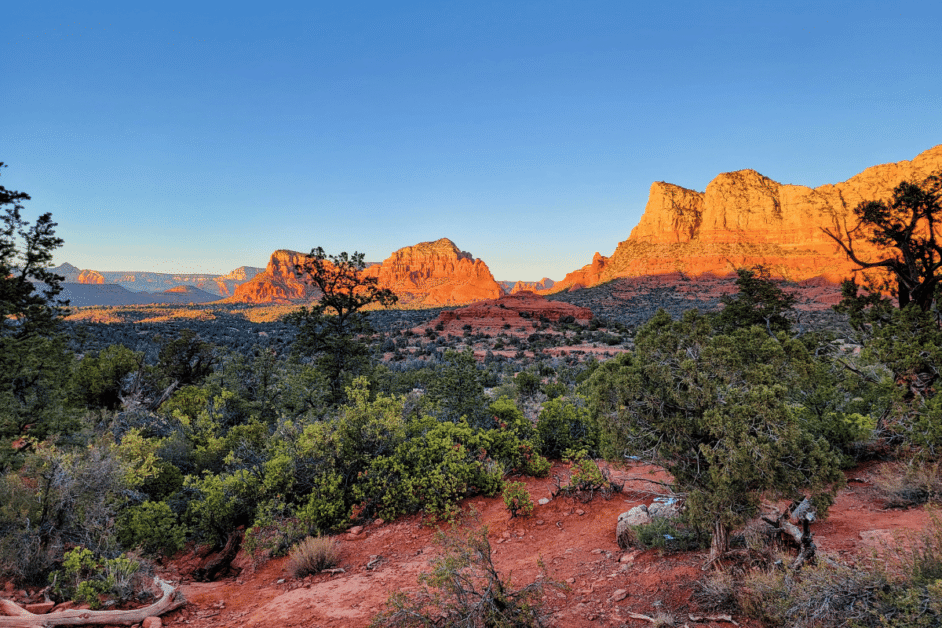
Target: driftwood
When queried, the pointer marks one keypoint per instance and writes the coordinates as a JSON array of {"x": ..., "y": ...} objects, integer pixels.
[
  {"x": 18, "y": 617},
  {"x": 787, "y": 525},
  {"x": 217, "y": 563}
]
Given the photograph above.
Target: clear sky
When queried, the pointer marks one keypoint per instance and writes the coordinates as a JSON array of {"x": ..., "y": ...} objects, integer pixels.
[{"x": 201, "y": 136}]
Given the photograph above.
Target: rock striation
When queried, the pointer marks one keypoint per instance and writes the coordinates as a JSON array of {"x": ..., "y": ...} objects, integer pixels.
[
  {"x": 744, "y": 218},
  {"x": 427, "y": 274}
]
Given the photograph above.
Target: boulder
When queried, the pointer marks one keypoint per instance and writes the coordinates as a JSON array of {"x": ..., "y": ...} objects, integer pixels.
[{"x": 626, "y": 521}]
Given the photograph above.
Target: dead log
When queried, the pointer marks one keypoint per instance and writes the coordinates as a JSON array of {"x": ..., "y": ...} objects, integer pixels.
[
  {"x": 215, "y": 564},
  {"x": 18, "y": 617},
  {"x": 801, "y": 513}
]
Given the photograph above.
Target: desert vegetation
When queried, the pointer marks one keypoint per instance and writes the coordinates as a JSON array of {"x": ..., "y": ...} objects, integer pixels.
[{"x": 122, "y": 442}]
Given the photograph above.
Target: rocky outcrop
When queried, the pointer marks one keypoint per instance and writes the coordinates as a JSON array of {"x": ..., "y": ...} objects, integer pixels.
[
  {"x": 281, "y": 282},
  {"x": 744, "y": 218},
  {"x": 427, "y": 274},
  {"x": 512, "y": 310},
  {"x": 543, "y": 285},
  {"x": 435, "y": 273},
  {"x": 90, "y": 277}
]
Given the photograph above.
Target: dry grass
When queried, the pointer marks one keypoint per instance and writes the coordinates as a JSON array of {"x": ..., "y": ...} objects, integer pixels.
[
  {"x": 908, "y": 484},
  {"x": 313, "y": 555}
]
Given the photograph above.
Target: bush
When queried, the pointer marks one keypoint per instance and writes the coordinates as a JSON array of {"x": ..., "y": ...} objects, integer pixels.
[
  {"x": 153, "y": 527},
  {"x": 586, "y": 479},
  {"x": 84, "y": 578},
  {"x": 465, "y": 589},
  {"x": 565, "y": 424},
  {"x": 669, "y": 535},
  {"x": 313, "y": 555},
  {"x": 909, "y": 484},
  {"x": 517, "y": 499}
]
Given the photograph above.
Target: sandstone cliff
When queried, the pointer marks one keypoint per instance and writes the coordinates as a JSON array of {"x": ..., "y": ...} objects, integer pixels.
[
  {"x": 90, "y": 277},
  {"x": 430, "y": 274},
  {"x": 280, "y": 282},
  {"x": 744, "y": 218},
  {"x": 436, "y": 273}
]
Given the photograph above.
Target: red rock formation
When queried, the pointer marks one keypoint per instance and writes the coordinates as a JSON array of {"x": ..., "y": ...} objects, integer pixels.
[
  {"x": 430, "y": 273},
  {"x": 436, "y": 273},
  {"x": 542, "y": 285},
  {"x": 513, "y": 309},
  {"x": 90, "y": 276},
  {"x": 743, "y": 219},
  {"x": 280, "y": 283}
]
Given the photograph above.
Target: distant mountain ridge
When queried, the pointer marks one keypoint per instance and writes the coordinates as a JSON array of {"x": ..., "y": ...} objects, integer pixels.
[{"x": 218, "y": 285}]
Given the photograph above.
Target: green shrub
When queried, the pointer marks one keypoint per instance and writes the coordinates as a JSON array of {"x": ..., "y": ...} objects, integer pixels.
[
  {"x": 313, "y": 555},
  {"x": 153, "y": 527},
  {"x": 668, "y": 535},
  {"x": 586, "y": 479},
  {"x": 565, "y": 424},
  {"x": 85, "y": 578},
  {"x": 517, "y": 499}
]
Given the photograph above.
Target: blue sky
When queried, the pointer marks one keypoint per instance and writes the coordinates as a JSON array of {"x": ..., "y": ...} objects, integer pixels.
[{"x": 201, "y": 136}]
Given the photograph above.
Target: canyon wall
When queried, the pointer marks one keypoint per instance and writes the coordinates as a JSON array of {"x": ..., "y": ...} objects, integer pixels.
[{"x": 743, "y": 219}]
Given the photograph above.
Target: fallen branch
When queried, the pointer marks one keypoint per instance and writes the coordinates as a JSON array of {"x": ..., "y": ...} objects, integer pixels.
[
  {"x": 18, "y": 617},
  {"x": 726, "y": 618}
]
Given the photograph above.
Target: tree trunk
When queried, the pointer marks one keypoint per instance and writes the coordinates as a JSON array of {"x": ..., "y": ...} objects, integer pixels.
[{"x": 720, "y": 544}]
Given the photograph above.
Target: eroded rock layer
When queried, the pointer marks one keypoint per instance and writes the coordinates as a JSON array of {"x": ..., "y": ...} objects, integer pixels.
[{"x": 744, "y": 218}]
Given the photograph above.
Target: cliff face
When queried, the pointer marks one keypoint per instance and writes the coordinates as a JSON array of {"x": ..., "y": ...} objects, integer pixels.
[
  {"x": 430, "y": 273},
  {"x": 279, "y": 283},
  {"x": 90, "y": 276},
  {"x": 744, "y": 218},
  {"x": 436, "y": 273},
  {"x": 543, "y": 285}
]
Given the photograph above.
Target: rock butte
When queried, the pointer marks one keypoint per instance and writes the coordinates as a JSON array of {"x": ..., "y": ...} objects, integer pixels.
[
  {"x": 744, "y": 218},
  {"x": 427, "y": 274}
]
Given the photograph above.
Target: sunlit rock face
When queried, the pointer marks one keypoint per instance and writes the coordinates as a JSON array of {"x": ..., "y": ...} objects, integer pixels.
[
  {"x": 428, "y": 274},
  {"x": 743, "y": 219},
  {"x": 436, "y": 273}
]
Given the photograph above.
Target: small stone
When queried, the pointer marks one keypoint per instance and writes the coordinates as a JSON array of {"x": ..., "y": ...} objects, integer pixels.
[
  {"x": 355, "y": 530},
  {"x": 40, "y": 608},
  {"x": 378, "y": 522},
  {"x": 280, "y": 581},
  {"x": 580, "y": 512},
  {"x": 628, "y": 558},
  {"x": 506, "y": 534},
  {"x": 619, "y": 595},
  {"x": 570, "y": 580},
  {"x": 596, "y": 551},
  {"x": 152, "y": 622},
  {"x": 543, "y": 501},
  {"x": 540, "y": 522}
]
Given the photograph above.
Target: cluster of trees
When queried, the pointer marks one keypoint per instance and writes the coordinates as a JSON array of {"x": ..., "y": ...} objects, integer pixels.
[{"x": 196, "y": 441}]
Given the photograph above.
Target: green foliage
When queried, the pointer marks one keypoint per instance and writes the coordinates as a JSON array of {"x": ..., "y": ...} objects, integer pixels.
[
  {"x": 85, "y": 578},
  {"x": 586, "y": 478},
  {"x": 717, "y": 412},
  {"x": 186, "y": 360},
  {"x": 98, "y": 380},
  {"x": 517, "y": 499},
  {"x": 669, "y": 535},
  {"x": 759, "y": 302},
  {"x": 564, "y": 423},
  {"x": 328, "y": 332},
  {"x": 439, "y": 464},
  {"x": 153, "y": 527},
  {"x": 465, "y": 589},
  {"x": 221, "y": 503},
  {"x": 456, "y": 390}
]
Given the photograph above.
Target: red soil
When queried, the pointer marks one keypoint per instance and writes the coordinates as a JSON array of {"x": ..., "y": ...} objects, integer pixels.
[{"x": 575, "y": 541}]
